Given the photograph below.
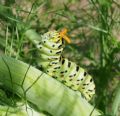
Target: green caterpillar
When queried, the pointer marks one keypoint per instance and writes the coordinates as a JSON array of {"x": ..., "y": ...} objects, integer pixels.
[{"x": 50, "y": 59}]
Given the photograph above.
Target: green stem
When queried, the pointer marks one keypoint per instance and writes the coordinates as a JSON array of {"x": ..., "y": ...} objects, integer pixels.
[
  {"x": 116, "y": 102},
  {"x": 42, "y": 91}
]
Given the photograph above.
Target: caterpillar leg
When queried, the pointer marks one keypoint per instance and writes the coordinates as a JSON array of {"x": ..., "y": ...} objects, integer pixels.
[{"x": 87, "y": 87}]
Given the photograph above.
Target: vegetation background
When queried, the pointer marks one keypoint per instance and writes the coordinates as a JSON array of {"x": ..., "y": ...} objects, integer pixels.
[{"x": 93, "y": 26}]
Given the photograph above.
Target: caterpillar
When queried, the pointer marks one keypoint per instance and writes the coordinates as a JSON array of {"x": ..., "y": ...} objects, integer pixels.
[{"x": 54, "y": 64}]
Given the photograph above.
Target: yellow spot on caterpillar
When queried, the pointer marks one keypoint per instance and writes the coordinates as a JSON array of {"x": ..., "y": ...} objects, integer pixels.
[{"x": 63, "y": 35}]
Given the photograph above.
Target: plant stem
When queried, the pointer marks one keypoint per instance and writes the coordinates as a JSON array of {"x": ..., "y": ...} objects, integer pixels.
[{"x": 42, "y": 91}]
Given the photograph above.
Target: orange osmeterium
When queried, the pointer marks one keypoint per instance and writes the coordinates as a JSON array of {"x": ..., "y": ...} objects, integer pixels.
[{"x": 64, "y": 36}]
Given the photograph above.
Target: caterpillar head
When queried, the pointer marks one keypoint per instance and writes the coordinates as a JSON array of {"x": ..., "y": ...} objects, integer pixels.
[{"x": 56, "y": 37}]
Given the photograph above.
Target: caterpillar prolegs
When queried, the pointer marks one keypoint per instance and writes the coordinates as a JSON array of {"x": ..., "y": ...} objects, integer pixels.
[{"x": 50, "y": 59}]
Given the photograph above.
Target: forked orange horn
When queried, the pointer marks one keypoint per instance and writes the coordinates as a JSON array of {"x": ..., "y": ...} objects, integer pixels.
[{"x": 63, "y": 35}]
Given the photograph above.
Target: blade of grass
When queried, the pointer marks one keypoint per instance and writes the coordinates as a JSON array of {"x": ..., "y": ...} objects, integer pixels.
[
  {"x": 6, "y": 43},
  {"x": 116, "y": 102}
]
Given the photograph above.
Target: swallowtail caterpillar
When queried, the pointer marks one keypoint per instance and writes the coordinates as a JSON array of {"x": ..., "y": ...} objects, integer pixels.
[{"x": 50, "y": 59}]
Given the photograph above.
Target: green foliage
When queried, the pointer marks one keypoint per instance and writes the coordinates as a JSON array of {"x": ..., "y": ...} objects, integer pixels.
[{"x": 116, "y": 101}]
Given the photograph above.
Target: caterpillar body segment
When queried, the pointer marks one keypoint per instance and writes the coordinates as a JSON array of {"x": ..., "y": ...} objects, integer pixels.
[
  {"x": 48, "y": 48},
  {"x": 50, "y": 59},
  {"x": 73, "y": 76}
]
